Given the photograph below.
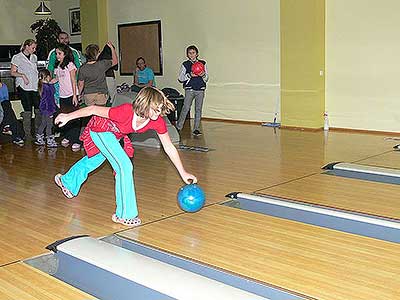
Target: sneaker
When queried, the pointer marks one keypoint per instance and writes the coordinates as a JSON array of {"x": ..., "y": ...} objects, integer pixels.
[
  {"x": 196, "y": 133},
  {"x": 65, "y": 142},
  {"x": 67, "y": 193},
  {"x": 51, "y": 142},
  {"x": 7, "y": 130},
  {"x": 40, "y": 140},
  {"x": 76, "y": 147},
  {"x": 18, "y": 141}
]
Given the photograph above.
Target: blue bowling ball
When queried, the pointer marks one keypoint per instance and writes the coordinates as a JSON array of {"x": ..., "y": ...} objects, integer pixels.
[{"x": 191, "y": 198}]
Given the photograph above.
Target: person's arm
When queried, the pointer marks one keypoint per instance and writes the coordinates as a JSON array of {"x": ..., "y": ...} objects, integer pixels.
[
  {"x": 135, "y": 77},
  {"x": 45, "y": 98},
  {"x": 52, "y": 62},
  {"x": 1, "y": 114},
  {"x": 150, "y": 82},
  {"x": 205, "y": 74},
  {"x": 114, "y": 57},
  {"x": 81, "y": 84},
  {"x": 15, "y": 73},
  {"x": 100, "y": 111},
  {"x": 173, "y": 155},
  {"x": 77, "y": 58},
  {"x": 72, "y": 74},
  {"x": 183, "y": 77}
]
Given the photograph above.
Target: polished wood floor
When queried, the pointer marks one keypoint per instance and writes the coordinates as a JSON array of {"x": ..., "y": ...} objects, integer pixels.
[{"x": 247, "y": 158}]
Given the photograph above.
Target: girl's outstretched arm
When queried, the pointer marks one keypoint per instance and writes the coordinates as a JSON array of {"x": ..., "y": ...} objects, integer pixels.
[
  {"x": 173, "y": 155},
  {"x": 100, "y": 111}
]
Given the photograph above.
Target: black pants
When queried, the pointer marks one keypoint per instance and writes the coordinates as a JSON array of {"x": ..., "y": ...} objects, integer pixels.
[
  {"x": 11, "y": 119},
  {"x": 29, "y": 99},
  {"x": 72, "y": 129}
]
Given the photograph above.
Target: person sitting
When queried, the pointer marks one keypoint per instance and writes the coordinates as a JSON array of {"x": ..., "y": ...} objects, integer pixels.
[{"x": 143, "y": 76}]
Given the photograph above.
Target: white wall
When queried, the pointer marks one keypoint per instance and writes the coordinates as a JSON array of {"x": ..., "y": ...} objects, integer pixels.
[
  {"x": 16, "y": 18},
  {"x": 60, "y": 13},
  {"x": 362, "y": 64},
  {"x": 239, "y": 40}
]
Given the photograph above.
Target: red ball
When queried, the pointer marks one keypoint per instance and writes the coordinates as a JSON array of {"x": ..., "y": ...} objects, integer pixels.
[{"x": 197, "y": 68}]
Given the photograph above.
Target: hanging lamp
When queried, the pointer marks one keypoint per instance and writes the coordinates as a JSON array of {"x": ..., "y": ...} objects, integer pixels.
[{"x": 42, "y": 9}]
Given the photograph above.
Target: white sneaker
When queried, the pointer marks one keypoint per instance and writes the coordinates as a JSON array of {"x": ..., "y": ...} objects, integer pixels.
[
  {"x": 76, "y": 147},
  {"x": 65, "y": 142}
]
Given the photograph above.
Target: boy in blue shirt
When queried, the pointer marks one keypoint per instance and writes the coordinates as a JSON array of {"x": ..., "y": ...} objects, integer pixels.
[{"x": 9, "y": 119}]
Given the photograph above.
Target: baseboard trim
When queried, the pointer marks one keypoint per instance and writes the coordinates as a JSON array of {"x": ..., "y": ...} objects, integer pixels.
[{"x": 335, "y": 129}]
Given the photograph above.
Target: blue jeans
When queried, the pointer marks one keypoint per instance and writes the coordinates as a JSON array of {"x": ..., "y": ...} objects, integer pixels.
[{"x": 111, "y": 150}]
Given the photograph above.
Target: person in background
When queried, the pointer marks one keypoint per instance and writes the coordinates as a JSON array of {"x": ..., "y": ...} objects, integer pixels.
[
  {"x": 47, "y": 109},
  {"x": 1, "y": 114},
  {"x": 142, "y": 76},
  {"x": 195, "y": 86},
  {"x": 24, "y": 68},
  {"x": 106, "y": 54},
  {"x": 92, "y": 76},
  {"x": 63, "y": 38},
  {"x": 10, "y": 123},
  {"x": 66, "y": 77}
]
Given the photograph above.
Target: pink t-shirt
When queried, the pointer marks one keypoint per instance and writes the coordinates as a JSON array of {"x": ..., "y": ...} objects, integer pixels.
[{"x": 64, "y": 80}]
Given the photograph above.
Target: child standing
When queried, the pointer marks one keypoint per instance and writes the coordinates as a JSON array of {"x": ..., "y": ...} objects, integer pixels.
[
  {"x": 10, "y": 123},
  {"x": 92, "y": 75},
  {"x": 66, "y": 77},
  {"x": 194, "y": 86},
  {"x": 101, "y": 142},
  {"x": 47, "y": 108}
]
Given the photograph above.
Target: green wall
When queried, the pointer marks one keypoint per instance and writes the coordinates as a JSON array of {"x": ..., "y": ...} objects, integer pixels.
[{"x": 302, "y": 49}]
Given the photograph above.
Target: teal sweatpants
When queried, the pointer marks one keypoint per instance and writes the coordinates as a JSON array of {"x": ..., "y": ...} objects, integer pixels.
[{"x": 111, "y": 150}]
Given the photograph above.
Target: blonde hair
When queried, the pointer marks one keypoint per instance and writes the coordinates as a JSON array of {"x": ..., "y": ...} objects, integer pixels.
[
  {"x": 151, "y": 98},
  {"x": 28, "y": 42}
]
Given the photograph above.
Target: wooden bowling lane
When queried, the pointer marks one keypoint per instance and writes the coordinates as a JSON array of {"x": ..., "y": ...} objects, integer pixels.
[
  {"x": 386, "y": 160},
  {"x": 22, "y": 282},
  {"x": 315, "y": 262},
  {"x": 375, "y": 198}
]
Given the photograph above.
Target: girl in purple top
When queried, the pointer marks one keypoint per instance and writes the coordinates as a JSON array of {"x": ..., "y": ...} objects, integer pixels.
[{"x": 47, "y": 108}]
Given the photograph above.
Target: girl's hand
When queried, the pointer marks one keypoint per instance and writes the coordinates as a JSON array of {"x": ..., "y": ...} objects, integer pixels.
[
  {"x": 26, "y": 80},
  {"x": 188, "y": 178},
  {"x": 193, "y": 75},
  {"x": 110, "y": 44},
  {"x": 61, "y": 120},
  {"x": 54, "y": 80},
  {"x": 75, "y": 100}
]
